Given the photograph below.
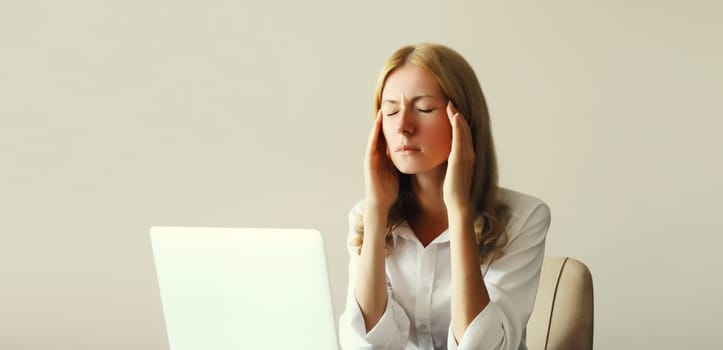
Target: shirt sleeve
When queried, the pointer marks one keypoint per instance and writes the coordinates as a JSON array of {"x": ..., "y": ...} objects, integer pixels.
[
  {"x": 392, "y": 330},
  {"x": 511, "y": 282}
]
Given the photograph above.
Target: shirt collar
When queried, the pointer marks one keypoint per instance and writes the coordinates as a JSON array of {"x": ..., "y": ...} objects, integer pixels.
[{"x": 405, "y": 232}]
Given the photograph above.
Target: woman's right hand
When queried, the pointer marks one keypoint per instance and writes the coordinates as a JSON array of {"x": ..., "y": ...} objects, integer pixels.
[{"x": 380, "y": 176}]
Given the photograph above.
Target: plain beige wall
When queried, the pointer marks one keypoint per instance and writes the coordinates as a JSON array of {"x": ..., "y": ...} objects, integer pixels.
[{"x": 118, "y": 116}]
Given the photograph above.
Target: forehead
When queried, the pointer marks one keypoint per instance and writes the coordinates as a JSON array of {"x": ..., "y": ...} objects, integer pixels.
[{"x": 410, "y": 80}]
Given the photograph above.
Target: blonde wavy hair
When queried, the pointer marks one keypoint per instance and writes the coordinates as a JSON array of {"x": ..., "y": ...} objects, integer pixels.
[{"x": 459, "y": 82}]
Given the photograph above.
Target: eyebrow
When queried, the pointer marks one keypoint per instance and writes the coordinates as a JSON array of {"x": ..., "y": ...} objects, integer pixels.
[{"x": 411, "y": 99}]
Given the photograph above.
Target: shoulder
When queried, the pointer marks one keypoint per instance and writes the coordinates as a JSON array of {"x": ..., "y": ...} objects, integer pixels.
[
  {"x": 355, "y": 220},
  {"x": 527, "y": 213},
  {"x": 353, "y": 239},
  {"x": 356, "y": 211}
]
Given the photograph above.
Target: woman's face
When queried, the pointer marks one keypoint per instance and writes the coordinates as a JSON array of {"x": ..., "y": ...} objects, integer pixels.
[{"x": 415, "y": 122}]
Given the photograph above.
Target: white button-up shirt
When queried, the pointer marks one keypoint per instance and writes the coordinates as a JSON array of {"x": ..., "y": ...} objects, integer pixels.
[{"x": 418, "y": 310}]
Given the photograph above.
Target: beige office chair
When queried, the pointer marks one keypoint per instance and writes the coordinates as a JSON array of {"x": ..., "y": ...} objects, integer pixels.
[{"x": 562, "y": 317}]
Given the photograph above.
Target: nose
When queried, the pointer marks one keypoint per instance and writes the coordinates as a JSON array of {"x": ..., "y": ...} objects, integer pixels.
[{"x": 406, "y": 121}]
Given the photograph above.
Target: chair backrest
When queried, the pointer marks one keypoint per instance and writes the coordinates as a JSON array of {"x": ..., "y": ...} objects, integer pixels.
[{"x": 562, "y": 317}]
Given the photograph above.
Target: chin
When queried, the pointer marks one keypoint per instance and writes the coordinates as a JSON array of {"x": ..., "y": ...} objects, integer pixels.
[
  {"x": 413, "y": 169},
  {"x": 407, "y": 171}
]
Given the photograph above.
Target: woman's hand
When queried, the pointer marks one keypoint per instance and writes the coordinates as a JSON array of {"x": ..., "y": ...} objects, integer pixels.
[
  {"x": 457, "y": 185},
  {"x": 380, "y": 176},
  {"x": 381, "y": 186},
  {"x": 469, "y": 293}
]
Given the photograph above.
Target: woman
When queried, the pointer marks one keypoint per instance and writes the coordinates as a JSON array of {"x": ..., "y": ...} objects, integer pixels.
[{"x": 440, "y": 257}]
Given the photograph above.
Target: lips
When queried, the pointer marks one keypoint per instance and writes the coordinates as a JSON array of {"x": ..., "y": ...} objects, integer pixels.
[{"x": 407, "y": 149}]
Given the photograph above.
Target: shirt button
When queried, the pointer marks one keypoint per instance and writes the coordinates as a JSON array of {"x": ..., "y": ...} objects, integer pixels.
[{"x": 423, "y": 327}]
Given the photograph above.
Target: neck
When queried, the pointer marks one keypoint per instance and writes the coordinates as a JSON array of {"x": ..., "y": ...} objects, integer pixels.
[{"x": 427, "y": 188}]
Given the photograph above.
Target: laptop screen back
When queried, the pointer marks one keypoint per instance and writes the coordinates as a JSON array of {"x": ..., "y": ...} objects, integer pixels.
[{"x": 244, "y": 288}]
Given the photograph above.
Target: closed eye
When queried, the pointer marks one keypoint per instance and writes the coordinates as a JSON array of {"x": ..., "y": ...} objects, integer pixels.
[{"x": 430, "y": 110}]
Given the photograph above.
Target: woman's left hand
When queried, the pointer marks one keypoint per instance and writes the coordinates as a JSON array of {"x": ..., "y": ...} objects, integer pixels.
[{"x": 457, "y": 185}]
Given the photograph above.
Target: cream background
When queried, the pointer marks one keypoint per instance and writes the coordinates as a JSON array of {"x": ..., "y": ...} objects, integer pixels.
[{"x": 118, "y": 116}]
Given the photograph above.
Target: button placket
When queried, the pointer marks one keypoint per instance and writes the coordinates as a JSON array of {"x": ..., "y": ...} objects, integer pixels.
[{"x": 424, "y": 297}]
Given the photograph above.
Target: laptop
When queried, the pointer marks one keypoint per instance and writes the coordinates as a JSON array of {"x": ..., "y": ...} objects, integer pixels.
[{"x": 244, "y": 288}]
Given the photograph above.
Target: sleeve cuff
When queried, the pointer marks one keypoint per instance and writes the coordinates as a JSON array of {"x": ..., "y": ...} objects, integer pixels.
[
  {"x": 486, "y": 331},
  {"x": 391, "y": 330}
]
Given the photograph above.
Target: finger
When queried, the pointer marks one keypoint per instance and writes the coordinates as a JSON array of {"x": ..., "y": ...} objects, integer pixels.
[
  {"x": 466, "y": 131},
  {"x": 455, "y": 129},
  {"x": 455, "y": 135},
  {"x": 463, "y": 130},
  {"x": 382, "y": 143},
  {"x": 450, "y": 109},
  {"x": 381, "y": 139},
  {"x": 373, "y": 142},
  {"x": 456, "y": 120}
]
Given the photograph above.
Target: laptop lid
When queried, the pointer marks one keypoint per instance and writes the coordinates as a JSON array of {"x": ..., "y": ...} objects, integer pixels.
[{"x": 244, "y": 288}]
